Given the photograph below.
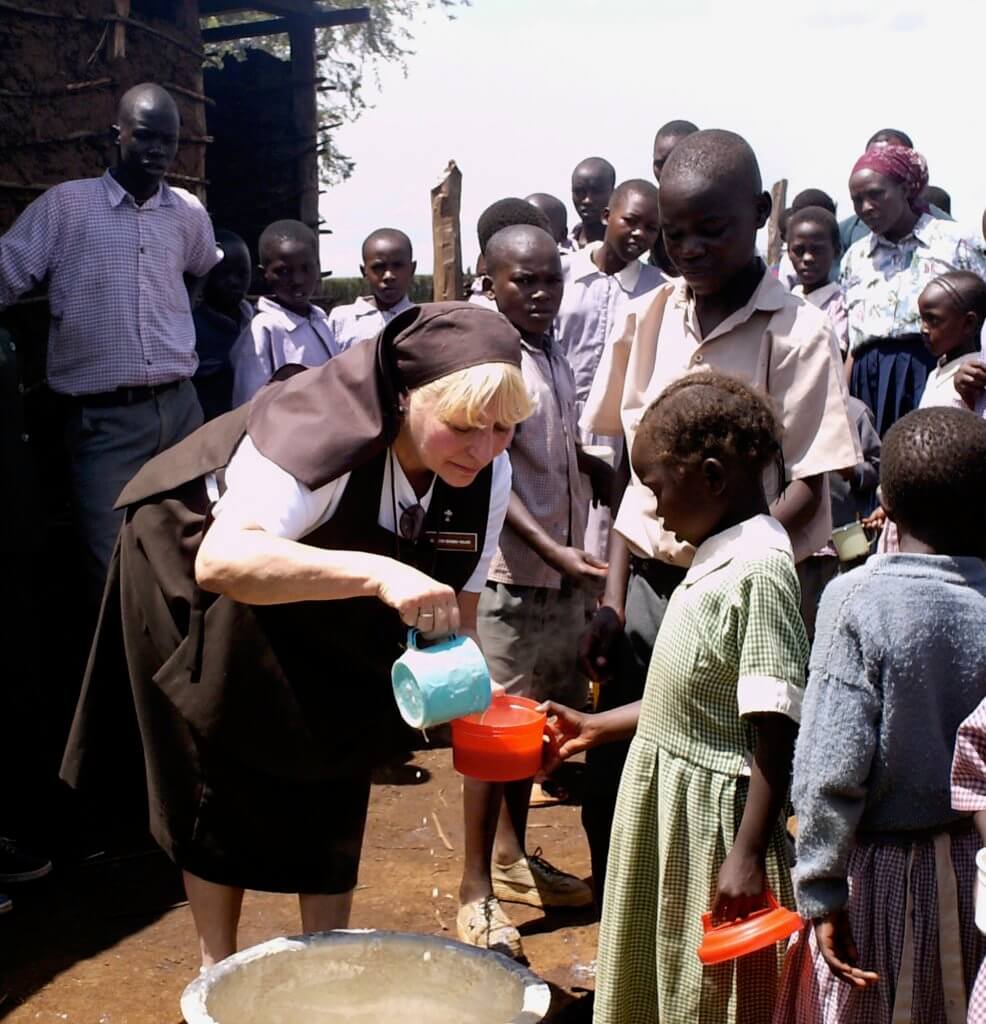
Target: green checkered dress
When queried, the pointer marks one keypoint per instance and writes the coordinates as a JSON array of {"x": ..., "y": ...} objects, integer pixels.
[{"x": 732, "y": 642}]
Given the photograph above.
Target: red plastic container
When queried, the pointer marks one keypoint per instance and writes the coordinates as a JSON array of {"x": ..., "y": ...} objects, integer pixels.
[
  {"x": 761, "y": 929},
  {"x": 501, "y": 744}
]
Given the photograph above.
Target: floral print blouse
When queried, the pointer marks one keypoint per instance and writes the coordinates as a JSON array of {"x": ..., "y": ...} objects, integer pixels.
[{"x": 881, "y": 280}]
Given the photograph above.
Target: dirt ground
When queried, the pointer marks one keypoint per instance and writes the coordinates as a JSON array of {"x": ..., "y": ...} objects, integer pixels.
[{"x": 110, "y": 941}]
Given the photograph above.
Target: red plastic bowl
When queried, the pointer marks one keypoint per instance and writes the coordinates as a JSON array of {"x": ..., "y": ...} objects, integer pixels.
[
  {"x": 761, "y": 929},
  {"x": 501, "y": 744}
]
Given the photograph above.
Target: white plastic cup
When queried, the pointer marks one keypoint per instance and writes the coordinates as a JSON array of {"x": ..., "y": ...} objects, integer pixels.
[
  {"x": 981, "y": 891},
  {"x": 850, "y": 542}
]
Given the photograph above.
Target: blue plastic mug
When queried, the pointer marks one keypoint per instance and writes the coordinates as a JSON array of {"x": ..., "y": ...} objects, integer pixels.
[{"x": 440, "y": 681}]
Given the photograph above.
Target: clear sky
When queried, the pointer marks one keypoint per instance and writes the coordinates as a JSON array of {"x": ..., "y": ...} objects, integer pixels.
[{"x": 518, "y": 91}]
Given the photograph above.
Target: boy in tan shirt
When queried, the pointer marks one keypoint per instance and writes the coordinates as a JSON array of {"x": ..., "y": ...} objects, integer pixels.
[{"x": 728, "y": 314}]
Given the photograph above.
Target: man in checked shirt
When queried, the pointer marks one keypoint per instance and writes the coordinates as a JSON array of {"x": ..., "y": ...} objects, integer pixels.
[{"x": 121, "y": 347}]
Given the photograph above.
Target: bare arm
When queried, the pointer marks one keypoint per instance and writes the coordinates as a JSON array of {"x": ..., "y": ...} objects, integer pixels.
[
  {"x": 799, "y": 502},
  {"x": 574, "y": 731},
  {"x": 615, "y": 593},
  {"x": 600, "y": 476},
  {"x": 598, "y": 644},
  {"x": 568, "y": 560},
  {"x": 249, "y": 565},
  {"x": 530, "y": 531},
  {"x": 742, "y": 878},
  {"x": 469, "y": 614}
]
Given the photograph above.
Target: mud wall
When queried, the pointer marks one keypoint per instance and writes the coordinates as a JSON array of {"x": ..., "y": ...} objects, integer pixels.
[{"x": 62, "y": 70}]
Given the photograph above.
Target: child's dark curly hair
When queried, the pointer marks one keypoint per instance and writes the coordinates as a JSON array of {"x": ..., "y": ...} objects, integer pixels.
[
  {"x": 506, "y": 213},
  {"x": 933, "y": 478},
  {"x": 711, "y": 415}
]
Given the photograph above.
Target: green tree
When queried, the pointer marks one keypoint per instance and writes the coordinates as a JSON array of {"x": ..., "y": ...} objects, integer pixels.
[{"x": 349, "y": 57}]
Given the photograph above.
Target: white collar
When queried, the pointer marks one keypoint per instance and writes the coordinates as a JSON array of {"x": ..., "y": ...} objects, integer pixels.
[
  {"x": 945, "y": 371},
  {"x": 286, "y": 319},
  {"x": 364, "y": 306},
  {"x": 819, "y": 296},
  {"x": 403, "y": 491},
  {"x": 582, "y": 267},
  {"x": 749, "y": 539}
]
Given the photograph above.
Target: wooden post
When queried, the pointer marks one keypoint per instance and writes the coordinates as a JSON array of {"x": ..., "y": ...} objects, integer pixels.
[
  {"x": 118, "y": 49},
  {"x": 446, "y": 199},
  {"x": 778, "y": 199},
  {"x": 301, "y": 32},
  {"x": 194, "y": 113}
]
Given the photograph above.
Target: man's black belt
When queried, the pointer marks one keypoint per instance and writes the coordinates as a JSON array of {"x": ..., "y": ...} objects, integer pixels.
[{"x": 127, "y": 396}]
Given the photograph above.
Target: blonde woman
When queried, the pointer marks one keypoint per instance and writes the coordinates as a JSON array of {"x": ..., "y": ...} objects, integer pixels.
[{"x": 266, "y": 574}]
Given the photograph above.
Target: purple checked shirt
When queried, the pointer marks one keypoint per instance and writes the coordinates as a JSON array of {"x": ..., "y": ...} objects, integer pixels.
[{"x": 120, "y": 315}]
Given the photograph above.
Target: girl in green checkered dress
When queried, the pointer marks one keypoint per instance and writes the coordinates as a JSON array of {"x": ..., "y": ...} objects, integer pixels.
[{"x": 699, "y": 823}]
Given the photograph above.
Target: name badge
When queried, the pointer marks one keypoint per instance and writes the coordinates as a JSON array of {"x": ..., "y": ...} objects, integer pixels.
[{"x": 444, "y": 540}]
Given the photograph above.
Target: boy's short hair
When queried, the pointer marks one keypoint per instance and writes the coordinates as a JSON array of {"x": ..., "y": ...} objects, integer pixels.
[
  {"x": 597, "y": 165},
  {"x": 227, "y": 240},
  {"x": 636, "y": 187},
  {"x": 933, "y": 477},
  {"x": 891, "y": 135},
  {"x": 505, "y": 213},
  {"x": 524, "y": 235},
  {"x": 675, "y": 130},
  {"x": 783, "y": 222},
  {"x": 715, "y": 153},
  {"x": 816, "y": 215},
  {"x": 284, "y": 231},
  {"x": 813, "y": 197},
  {"x": 937, "y": 196},
  {"x": 711, "y": 415},
  {"x": 393, "y": 234}
]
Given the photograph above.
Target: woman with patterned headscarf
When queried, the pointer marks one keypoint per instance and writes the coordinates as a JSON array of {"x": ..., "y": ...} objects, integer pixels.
[{"x": 884, "y": 273}]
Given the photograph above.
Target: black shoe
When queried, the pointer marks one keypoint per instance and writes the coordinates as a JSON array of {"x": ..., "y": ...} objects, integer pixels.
[
  {"x": 6, "y": 903},
  {"x": 20, "y": 865}
]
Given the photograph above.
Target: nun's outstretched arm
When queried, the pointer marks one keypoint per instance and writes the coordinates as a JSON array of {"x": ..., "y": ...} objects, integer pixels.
[{"x": 250, "y": 565}]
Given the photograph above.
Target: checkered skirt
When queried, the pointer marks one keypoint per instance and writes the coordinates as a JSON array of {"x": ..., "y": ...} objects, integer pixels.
[{"x": 810, "y": 993}]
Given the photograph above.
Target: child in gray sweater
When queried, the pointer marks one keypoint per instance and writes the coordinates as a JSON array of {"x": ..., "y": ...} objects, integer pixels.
[{"x": 884, "y": 865}]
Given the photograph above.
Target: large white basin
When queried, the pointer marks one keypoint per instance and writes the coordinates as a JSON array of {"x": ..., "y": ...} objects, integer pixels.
[{"x": 366, "y": 977}]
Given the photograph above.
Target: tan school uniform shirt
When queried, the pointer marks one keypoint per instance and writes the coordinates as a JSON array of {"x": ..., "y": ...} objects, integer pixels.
[{"x": 778, "y": 343}]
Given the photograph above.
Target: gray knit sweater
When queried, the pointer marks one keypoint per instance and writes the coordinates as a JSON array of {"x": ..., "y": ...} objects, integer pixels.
[{"x": 899, "y": 661}]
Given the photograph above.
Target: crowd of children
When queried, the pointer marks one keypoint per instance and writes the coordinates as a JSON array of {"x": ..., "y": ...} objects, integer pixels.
[{"x": 730, "y": 416}]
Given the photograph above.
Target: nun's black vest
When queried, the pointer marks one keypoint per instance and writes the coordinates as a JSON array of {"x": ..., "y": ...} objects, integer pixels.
[{"x": 338, "y": 654}]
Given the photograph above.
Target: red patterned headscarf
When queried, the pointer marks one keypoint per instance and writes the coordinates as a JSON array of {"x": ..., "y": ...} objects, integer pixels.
[{"x": 901, "y": 164}]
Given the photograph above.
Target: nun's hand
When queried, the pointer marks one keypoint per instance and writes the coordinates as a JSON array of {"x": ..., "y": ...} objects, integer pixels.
[{"x": 422, "y": 602}]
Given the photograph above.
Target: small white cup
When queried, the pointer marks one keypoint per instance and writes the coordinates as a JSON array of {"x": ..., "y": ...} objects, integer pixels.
[{"x": 850, "y": 542}]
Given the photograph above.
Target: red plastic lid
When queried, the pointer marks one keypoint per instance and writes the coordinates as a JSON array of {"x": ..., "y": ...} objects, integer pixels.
[{"x": 761, "y": 929}]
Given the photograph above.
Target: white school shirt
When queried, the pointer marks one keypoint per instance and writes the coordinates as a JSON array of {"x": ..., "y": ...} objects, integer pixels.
[
  {"x": 274, "y": 338},
  {"x": 260, "y": 493},
  {"x": 939, "y": 389},
  {"x": 362, "y": 320},
  {"x": 591, "y": 306}
]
